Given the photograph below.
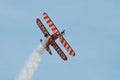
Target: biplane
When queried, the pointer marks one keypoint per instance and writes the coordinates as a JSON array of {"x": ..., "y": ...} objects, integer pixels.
[{"x": 52, "y": 37}]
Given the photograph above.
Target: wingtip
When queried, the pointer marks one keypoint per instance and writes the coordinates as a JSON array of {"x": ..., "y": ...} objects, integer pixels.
[
  {"x": 65, "y": 59},
  {"x": 44, "y": 13},
  {"x": 37, "y": 19},
  {"x": 73, "y": 54}
]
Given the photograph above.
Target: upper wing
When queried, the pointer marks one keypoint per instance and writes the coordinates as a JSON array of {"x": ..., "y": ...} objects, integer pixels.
[
  {"x": 67, "y": 46},
  {"x": 50, "y": 23},
  {"x": 59, "y": 51},
  {"x": 54, "y": 29},
  {"x": 41, "y": 26}
]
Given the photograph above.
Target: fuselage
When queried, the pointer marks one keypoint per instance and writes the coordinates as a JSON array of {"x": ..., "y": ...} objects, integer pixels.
[{"x": 52, "y": 38}]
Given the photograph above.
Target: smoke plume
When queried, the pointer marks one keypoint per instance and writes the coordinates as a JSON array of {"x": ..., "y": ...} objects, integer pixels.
[{"x": 31, "y": 64}]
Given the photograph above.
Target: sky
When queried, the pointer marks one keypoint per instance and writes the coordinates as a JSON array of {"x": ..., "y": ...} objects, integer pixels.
[{"x": 92, "y": 29}]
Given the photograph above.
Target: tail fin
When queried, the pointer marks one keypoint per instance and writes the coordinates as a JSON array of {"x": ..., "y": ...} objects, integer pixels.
[{"x": 48, "y": 50}]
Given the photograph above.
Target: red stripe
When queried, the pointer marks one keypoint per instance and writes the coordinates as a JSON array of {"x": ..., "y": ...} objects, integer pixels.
[
  {"x": 65, "y": 44},
  {"x": 51, "y": 25},
  {"x": 48, "y": 21},
  {"x": 68, "y": 48},
  {"x": 71, "y": 52},
  {"x": 45, "y": 17},
  {"x": 62, "y": 41},
  {"x": 53, "y": 29}
]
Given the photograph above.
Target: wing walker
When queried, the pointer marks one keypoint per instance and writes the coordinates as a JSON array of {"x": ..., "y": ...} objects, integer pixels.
[{"x": 52, "y": 37}]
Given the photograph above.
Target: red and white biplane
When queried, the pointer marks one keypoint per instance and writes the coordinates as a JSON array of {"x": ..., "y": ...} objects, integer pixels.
[{"x": 52, "y": 37}]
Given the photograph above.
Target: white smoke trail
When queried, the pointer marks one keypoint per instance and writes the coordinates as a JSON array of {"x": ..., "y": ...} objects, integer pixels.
[{"x": 32, "y": 64}]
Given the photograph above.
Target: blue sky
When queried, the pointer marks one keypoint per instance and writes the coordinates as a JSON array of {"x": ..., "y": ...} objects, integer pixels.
[{"x": 92, "y": 29}]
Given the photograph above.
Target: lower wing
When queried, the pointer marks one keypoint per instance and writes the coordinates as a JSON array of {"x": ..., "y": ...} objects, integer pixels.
[{"x": 59, "y": 51}]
